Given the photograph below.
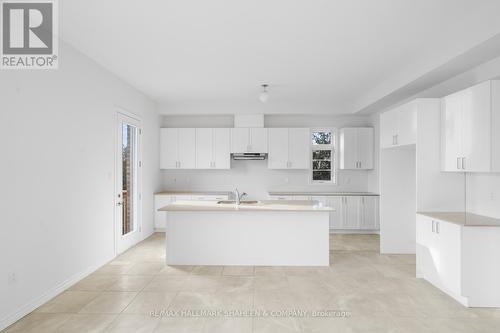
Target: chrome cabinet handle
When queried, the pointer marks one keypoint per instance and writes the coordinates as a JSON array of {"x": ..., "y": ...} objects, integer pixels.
[
  {"x": 437, "y": 227},
  {"x": 458, "y": 163},
  {"x": 433, "y": 225},
  {"x": 463, "y": 163}
]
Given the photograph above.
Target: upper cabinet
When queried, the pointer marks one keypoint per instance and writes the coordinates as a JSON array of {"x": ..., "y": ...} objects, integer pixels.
[
  {"x": 289, "y": 148},
  {"x": 177, "y": 148},
  {"x": 356, "y": 148},
  {"x": 470, "y": 129},
  {"x": 248, "y": 140},
  {"x": 398, "y": 127},
  {"x": 213, "y": 148}
]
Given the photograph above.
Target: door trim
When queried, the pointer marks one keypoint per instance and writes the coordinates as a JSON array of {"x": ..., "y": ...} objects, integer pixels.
[{"x": 134, "y": 118}]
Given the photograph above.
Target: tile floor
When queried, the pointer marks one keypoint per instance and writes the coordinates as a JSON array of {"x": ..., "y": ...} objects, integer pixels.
[{"x": 379, "y": 292}]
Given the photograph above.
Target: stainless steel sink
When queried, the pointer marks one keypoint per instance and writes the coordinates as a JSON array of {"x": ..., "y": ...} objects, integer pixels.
[{"x": 233, "y": 202}]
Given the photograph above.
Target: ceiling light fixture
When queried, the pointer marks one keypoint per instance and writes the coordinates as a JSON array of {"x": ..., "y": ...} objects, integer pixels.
[{"x": 264, "y": 95}]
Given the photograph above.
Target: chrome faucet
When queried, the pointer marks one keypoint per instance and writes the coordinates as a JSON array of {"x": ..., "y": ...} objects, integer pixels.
[{"x": 238, "y": 196}]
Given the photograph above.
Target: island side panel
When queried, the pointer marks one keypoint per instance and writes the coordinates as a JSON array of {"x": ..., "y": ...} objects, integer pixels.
[{"x": 256, "y": 238}]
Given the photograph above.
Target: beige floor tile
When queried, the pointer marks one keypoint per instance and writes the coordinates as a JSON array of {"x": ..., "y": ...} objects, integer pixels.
[
  {"x": 146, "y": 302},
  {"x": 239, "y": 270},
  {"x": 146, "y": 268},
  {"x": 68, "y": 302},
  {"x": 166, "y": 283},
  {"x": 201, "y": 283},
  {"x": 324, "y": 325},
  {"x": 38, "y": 323},
  {"x": 236, "y": 283},
  {"x": 109, "y": 302},
  {"x": 180, "y": 325},
  {"x": 95, "y": 282},
  {"x": 270, "y": 271},
  {"x": 176, "y": 270},
  {"x": 133, "y": 323},
  {"x": 86, "y": 323},
  {"x": 380, "y": 292},
  {"x": 276, "y": 325},
  {"x": 131, "y": 283},
  {"x": 228, "y": 325},
  {"x": 207, "y": 270},
  {"x": 186, "y": 300},
  {"x": 271, "y": 283}
]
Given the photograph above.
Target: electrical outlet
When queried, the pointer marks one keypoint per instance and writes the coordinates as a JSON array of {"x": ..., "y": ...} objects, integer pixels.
[{"x": 12, "y": 278}]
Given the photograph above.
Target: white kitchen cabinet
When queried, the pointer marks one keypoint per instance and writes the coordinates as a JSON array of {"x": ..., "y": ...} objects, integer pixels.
[
  {"x": 398, "y": 127},
  {"x": 289, "y": 148},
  {"x": 213, "y": 148},
  {"x": 177, "y": 148},
  {"x": 249, "y": 140},
  {"x": 439, "y": 254},
  {"x": 470, "y": 129},
  {"x": 369, "y": 213},
  {"x": 356, "y": 148},
  {"x": 351, "y": 212}
]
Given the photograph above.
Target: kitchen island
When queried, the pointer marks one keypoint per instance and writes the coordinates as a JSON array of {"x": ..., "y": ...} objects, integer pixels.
[{"x": 262, "y": 233}]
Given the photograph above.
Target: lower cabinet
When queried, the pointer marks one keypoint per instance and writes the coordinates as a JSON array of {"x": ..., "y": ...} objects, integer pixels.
[
  {"x": 161, "y": 200},
  {"x": 462, "y": 261},
  {"x": 439, "y": 253},
  {"x": 351, "y": 212}
]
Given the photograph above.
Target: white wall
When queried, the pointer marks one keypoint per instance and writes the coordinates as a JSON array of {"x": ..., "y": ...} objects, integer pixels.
[
  {"x": 483, "y": 194},
  {"x": 254, "y": 177},
  {"x": 57, "y": 175}
]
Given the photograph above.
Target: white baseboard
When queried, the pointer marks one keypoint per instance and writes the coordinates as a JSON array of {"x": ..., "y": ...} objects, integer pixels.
[{"x": 47, "y": 296}]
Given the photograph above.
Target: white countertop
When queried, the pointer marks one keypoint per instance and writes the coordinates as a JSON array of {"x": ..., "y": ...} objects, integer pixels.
[
  {"x": 464, "y": 219},
  {"x": 324, "y": 194},
  {"x": 264, "y": 205}
]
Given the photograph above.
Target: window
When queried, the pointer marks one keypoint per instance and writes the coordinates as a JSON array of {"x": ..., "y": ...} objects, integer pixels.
[{"x": 323, "y": 156}]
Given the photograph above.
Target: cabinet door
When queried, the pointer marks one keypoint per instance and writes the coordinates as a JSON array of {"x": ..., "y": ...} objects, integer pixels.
[
  {"x": 388, "y": 128},
  {"x": 351, "y": 212},
  {"x": 299, "y": 148},
  {"x": 161, "y": 217},
  {"x": 369, "y": 213},
  {"x": 452, "y": 132},
  {"x": 240, "y": 140},
  {"x": 278, "y": 148},
  {"x": 407, "y": 124},
  {"x": 187, "y": 148},
  {"x": 336, "y": 221},
  {"x": 426, "y": 249},
  {"x": 476, "y": 122},
  {"x": 222, "y": 148},
  {"x": 349, "y": 148},
  {"x": 258, "y": 140},
  {"x": 365, "y": 148},
  {"x": 169, "y": 148},
  {"x": 448, "y": 250},
  {"x": 204, "y": 148}
]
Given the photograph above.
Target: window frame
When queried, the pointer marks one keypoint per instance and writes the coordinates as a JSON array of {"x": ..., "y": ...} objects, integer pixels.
[{"x": 333, "y": 156}]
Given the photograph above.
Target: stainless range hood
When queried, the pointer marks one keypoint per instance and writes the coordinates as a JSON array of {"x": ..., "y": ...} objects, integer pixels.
[{"x": 249, "y": 156}]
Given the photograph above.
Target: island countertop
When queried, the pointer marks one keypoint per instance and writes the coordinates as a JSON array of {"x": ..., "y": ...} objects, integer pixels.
[{"x": 263, "y": 205}]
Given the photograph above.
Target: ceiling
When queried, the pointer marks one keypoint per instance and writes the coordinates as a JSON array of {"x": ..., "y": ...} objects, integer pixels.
[{"x": 319, "y": 56}]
